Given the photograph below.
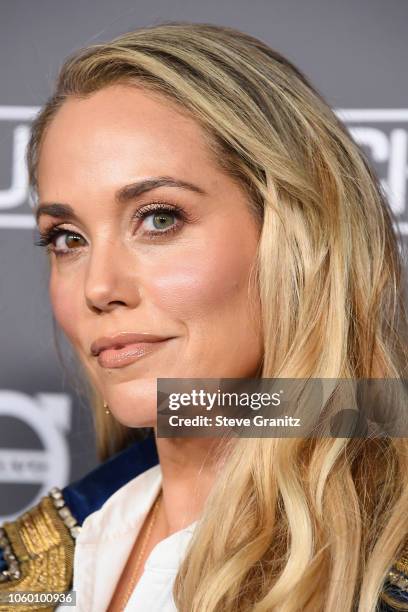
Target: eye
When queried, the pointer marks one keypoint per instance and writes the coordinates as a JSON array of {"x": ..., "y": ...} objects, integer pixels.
[
  {"x": 51, "y": 240},
  {"x": 159, "y": 222},
  {"x": 158, "y": 218}
]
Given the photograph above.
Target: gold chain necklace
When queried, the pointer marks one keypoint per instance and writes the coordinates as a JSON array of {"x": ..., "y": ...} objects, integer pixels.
[{"x": 140, "y": 556}]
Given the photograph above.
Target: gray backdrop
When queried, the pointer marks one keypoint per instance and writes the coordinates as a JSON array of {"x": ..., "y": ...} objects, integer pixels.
[{"x": 355, "y": 53}]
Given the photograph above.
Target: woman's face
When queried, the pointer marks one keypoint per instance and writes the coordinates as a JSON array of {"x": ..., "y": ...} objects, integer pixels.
[{"x": 110, "y": 274}]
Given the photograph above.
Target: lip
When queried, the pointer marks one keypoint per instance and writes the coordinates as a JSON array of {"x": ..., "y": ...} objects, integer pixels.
[
  {"x": 118, "y": 358},
  {"x": 125, "y": 347}
]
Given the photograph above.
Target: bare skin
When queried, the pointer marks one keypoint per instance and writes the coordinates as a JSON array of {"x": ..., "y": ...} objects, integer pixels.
[{"x": 189, "y": 284}]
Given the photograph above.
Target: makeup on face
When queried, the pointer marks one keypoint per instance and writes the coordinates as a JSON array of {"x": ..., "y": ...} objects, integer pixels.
[{"x": 148, "y": 235}]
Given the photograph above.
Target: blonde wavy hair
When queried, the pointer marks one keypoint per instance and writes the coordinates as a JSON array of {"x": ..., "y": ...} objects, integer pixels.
[{"x": 307, "y": 524}]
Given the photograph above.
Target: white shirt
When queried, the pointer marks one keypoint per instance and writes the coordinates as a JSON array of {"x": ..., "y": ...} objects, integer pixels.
[{"x": 105, "y": 542}]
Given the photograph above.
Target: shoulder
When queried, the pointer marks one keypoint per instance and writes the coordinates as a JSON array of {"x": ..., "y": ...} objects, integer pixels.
[{"x": 45, "y": 535}]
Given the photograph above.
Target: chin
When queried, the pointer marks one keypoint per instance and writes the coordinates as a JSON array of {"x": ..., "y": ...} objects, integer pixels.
[
  {"x": 133, "y": 419},
  {"x": 134, "y": 404}
]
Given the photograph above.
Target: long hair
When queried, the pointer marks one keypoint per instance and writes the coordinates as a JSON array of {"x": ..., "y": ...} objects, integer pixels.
[{"x": 307, "y": 524}]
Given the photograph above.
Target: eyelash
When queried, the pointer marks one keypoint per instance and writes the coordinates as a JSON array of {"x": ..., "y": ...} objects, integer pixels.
[{"x": 47, "y": 237}]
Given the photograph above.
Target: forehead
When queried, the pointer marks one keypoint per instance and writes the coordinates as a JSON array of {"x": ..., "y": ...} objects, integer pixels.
[{"x": 118, "y": 133}]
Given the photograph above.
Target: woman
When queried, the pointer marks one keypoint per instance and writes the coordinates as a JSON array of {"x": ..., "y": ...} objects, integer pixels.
[{"x": 280, "y": 261}]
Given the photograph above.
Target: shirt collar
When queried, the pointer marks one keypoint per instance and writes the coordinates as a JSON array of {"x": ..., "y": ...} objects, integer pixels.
[{"x": 124, "y": 510}]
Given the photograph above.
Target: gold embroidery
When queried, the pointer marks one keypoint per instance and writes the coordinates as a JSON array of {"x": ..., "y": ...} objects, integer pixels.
[
  {"x": 398, "y": 577},
  {"x": 44, "y": 549}
]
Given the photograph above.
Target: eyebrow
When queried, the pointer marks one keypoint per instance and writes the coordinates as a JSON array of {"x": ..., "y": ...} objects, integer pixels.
[{"x": 123, "y": 195}]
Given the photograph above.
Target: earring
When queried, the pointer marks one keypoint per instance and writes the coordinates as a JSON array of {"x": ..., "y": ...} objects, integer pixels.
[{"x": 105, "y": 405}]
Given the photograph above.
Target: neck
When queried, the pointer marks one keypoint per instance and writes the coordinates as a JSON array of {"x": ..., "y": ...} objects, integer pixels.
[{"x": 189, "y": 469}]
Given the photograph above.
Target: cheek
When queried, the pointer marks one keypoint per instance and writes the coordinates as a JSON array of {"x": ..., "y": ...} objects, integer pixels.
[
  {"x": 210, "y": 280},
  {"x": 66, "y": 303}
]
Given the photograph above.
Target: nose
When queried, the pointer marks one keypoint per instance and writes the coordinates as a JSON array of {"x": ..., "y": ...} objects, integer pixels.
[{"x": 111, "y": 279}]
